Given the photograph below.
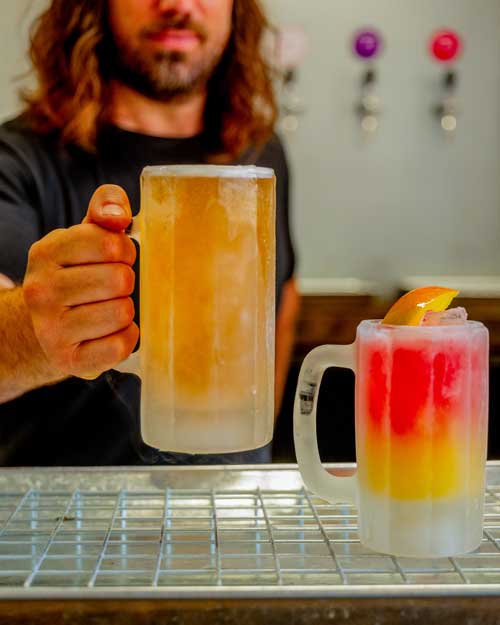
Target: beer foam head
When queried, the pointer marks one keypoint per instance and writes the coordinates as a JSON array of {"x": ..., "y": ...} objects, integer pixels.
[{"x": 209, "y": 171}]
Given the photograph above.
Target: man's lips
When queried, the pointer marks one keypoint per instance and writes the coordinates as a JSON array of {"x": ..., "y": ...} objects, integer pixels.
[{"x": 176, "y": 38}]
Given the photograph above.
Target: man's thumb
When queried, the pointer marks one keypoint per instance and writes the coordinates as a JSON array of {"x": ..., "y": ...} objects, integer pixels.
[{"x": 109, "y": 208}]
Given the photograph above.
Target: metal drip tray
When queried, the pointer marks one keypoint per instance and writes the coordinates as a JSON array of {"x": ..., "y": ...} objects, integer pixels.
[{"x": 212, "y": 531}]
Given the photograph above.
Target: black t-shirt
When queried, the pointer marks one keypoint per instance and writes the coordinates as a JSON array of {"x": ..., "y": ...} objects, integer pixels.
[{"x": 44, "y": 186}]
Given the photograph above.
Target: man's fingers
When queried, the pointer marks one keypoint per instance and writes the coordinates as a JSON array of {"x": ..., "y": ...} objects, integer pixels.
[
  {"x": 84, "y": 284},
  {"x": 77, "y": 285},
  {"x": 94, "y": 321},
  {"x": 83, "y": 244},
  {"x": 99, "y": 355},
  {"x": 109, "y": 208}
]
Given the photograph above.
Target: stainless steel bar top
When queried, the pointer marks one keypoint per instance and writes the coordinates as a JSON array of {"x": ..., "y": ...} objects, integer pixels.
[{"x": 183, "y": 533}]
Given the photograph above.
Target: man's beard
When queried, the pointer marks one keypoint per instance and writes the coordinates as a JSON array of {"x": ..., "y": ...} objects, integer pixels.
[{"x": 161, "y": 75}]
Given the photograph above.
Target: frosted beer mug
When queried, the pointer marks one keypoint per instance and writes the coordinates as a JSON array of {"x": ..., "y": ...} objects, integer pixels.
[
  {"x": 207, "y": 307},
  {"x": 421, "y": 433}
]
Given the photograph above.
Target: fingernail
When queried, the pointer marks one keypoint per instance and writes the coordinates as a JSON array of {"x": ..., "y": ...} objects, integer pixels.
[
  {"x": 90, "y": 377},
  {"x": 112, "y": 209}
]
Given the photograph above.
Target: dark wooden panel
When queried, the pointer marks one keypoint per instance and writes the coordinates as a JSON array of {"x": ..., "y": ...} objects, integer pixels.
[
  {"x": 333, "y": 319},
  {"x": 441, "y": 610}
]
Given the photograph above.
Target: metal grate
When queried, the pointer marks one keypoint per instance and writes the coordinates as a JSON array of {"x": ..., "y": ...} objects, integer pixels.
[{"x": 175, "y": 538}]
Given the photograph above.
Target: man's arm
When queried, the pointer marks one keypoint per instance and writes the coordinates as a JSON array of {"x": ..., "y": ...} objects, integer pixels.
[
  {"x": 285, "y": 335},
  {"x": 23, "y": 364},
  {"x": 73, "y": 314}
]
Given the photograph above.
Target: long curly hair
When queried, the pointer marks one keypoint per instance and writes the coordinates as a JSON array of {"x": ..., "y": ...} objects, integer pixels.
[{"x": 71, "y": 96}]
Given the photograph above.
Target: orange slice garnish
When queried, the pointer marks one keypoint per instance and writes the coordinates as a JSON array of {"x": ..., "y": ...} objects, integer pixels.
[{"x": 410, "y": 309}]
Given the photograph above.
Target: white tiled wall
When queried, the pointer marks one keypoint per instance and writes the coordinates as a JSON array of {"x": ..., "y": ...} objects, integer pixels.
[{"x": 407, "y": 203}]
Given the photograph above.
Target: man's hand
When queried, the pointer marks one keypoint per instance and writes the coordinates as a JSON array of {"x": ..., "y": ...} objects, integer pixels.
[{"x": 77, "y": 289}]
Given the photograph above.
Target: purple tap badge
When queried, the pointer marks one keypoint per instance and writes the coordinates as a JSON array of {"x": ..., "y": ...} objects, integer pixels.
[{"x": 367, "y": 44}]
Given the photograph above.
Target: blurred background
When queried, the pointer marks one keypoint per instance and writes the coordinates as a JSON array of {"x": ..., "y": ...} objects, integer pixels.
[
  {"x": 390, "y": 110},
  {"x": 393, "y": 133}
]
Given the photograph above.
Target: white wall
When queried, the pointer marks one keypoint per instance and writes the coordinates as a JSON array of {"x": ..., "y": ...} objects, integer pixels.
[
  {"x": 15, "y": 19},
  {"x": 407, "y": 203}
]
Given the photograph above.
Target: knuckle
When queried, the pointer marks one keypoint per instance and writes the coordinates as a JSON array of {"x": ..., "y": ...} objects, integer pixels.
[
  {"x": 45, "y": 246},
  {"x": 134, "y": 333},
  {"x": 125, "y": 312},
  {"x": 110, "y": 247},
  {"x": 124, "y": 343},
  {"x": 130, "y": 339},
  {"x": 43, "y": 251},
  {"x": 133, "y": 336},
  {"x": 130, "y": 250},
  {"x": 37, "y": 252},
  {"x": 118, "y": 350},
  {"x": 35, "y": 292},
  {"x": 124, "y": 279},
  {"x": 115, "y": 247}
]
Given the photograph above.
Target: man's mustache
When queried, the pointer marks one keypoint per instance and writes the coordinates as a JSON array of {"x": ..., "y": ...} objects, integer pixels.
[{"x": 181, "y": 22}]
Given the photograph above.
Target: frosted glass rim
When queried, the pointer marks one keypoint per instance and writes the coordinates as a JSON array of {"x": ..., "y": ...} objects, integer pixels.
[
  {"x": 209, "y": 171},
  {"x": 375, "y": 324}
]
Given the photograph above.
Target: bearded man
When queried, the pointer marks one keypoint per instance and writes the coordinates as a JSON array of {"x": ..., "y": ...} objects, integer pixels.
[{"x": 120, "y": 84}]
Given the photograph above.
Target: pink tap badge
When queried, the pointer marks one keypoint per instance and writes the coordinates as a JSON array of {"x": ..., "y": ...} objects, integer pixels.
[{"x": 445, "y": 45}]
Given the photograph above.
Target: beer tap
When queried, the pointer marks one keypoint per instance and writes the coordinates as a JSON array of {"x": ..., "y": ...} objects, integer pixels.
[
  {"x": 292, "y": 104},
  {"x": 290, "y": 52},
  {"x": 367, "y": 45},
  {"x": 445, "y": 47}
]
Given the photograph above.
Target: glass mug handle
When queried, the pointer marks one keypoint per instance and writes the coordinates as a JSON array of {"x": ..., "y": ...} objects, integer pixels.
[
  {"x": 132, "y": 363},
  {"x": 315, "y": 477}
]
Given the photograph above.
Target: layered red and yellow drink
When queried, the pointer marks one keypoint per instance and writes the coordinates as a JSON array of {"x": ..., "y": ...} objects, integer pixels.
[{"x": 421, "y": 431}]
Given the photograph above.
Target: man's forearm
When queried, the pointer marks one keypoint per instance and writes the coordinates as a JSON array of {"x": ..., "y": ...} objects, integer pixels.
[{"x": 23, "y": 365}]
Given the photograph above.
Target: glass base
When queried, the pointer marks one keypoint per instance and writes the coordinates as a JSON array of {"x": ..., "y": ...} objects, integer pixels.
[
  {"x": 422, "y": 529},
  {"x": 207, "y": 432}
]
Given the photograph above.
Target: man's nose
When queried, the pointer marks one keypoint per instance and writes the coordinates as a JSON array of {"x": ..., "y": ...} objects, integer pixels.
[{"x": 179, "y": 6}]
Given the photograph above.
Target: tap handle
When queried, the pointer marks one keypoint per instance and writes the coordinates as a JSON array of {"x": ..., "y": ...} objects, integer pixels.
[
  {"x": 450, "y": 80},
  {"x": 369, "y": 78}
]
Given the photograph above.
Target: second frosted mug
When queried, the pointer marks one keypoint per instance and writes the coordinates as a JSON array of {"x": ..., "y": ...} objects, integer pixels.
[
  {"x": 207, "y": 307},
  {"x": 421, "y": 434},
  {"x": 421, "y": 429}
]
